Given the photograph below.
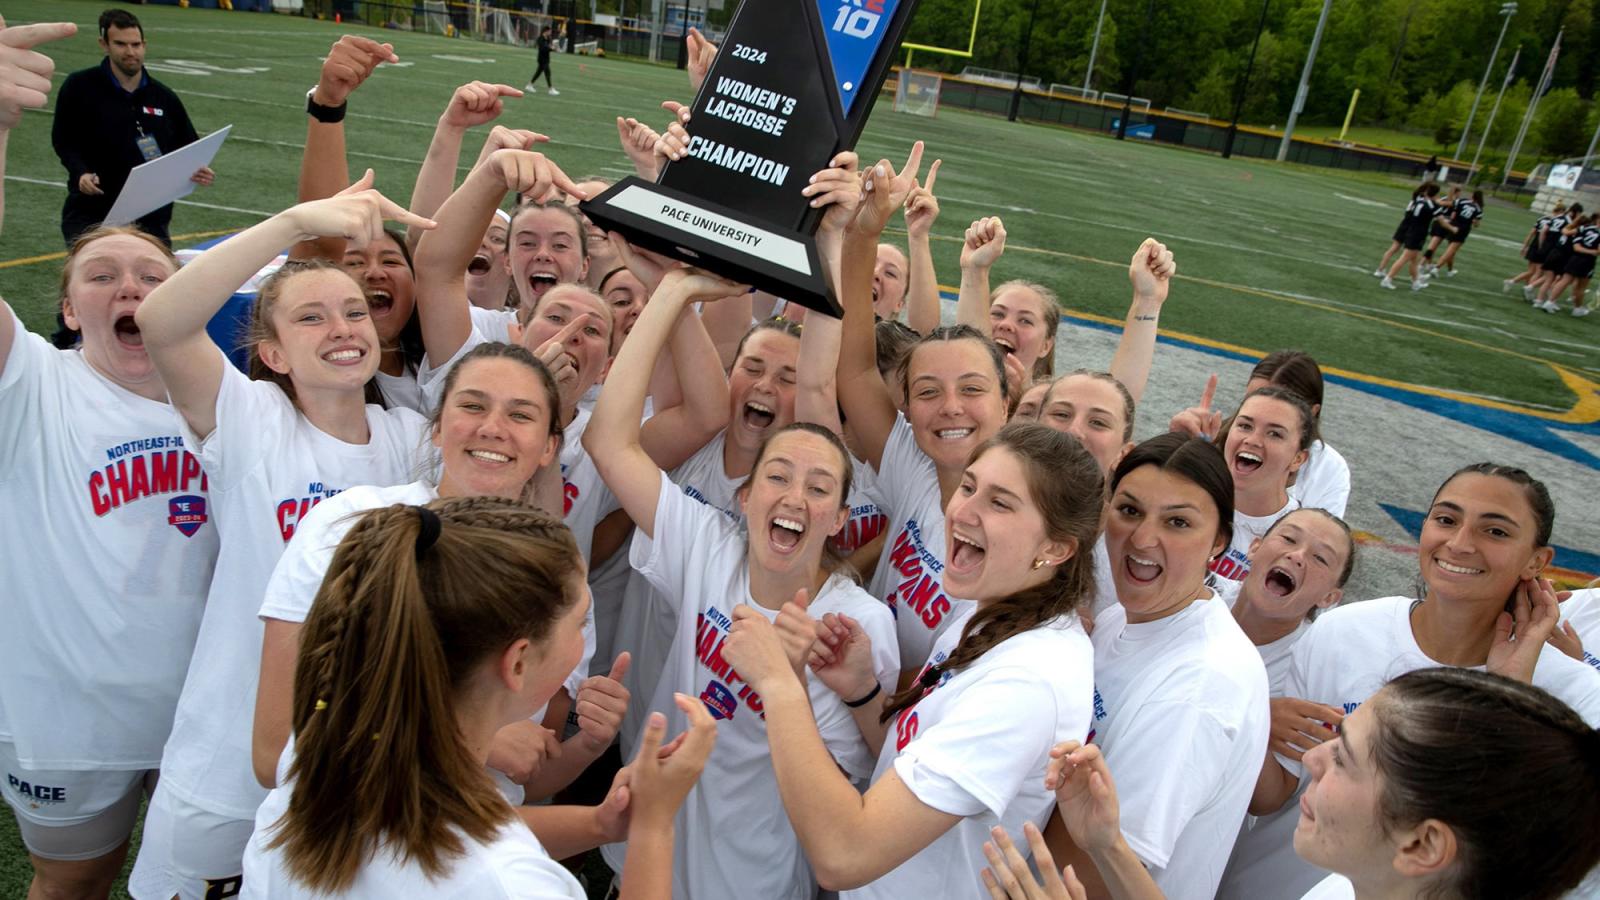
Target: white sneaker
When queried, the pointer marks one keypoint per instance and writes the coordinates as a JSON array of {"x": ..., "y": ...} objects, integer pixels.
[
  {"x": 1418, "y": 285},
  {"x": 1548, "y": 306},
  {"x": 1580, "y": 311},
  {"x": 529, "y": 88},
  {"x": 1387, "y": 282},
  {"x": 1507, "y": 285},
  {"x": 1528, "y": 294},
  {"x": 554, "y": 92},
  {"x": 1449, "y": 273},
  {"x": 1377, "y": 273}
]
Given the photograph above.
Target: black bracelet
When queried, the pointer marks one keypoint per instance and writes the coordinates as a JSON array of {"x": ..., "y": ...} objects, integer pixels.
[
  {"x": 857, "y": 704},
  {"x": 327, "y": 115}
]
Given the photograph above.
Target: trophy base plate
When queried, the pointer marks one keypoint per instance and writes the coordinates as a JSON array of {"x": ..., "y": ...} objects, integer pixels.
[{"x": 715, "y": 238}]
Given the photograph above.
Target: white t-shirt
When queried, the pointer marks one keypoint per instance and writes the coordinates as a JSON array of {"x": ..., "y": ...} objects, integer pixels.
[
  {"x": 977, "y": 744},
  {"x": 1181, "y": 715},
  {"x": 299, "y": 572},
  {"x": 107, "y": 546},
  {"x": 1582, "y": 609},
  {"x": 1344, "y": 658},
  {"x": 268, "y": 467},
  {"x": 734, "y": 839},
  {"x": 1234, "y": 563},
  {"x": 1324, "y": 481},
  {"x": 1104, "y": 591},
  {"x": 910, "y": 574},
  {"x": 513, "y": 866},
  {"x": 1277, "y": 655},
  {"x": 494, "y": 324},
  {"x": 403, "y": 392}
]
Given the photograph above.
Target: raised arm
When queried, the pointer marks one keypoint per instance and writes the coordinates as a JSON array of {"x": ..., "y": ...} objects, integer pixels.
[
  {"x": 613, "y": 437},
  {"x": 678, "y": 431},
  {"x": 864, "y": 399},
  {"x": 838, "y": 188},
  {"x": 172, "y": 320},
  {"x": 473, "y": 104},
  {"x": 922, "y": 299},
  {"x": 985, "y": 242},
  {"x": 442, "y": 256},
  {"x": 324, "y": 167},
  {"x": 1151, "y": 272}
]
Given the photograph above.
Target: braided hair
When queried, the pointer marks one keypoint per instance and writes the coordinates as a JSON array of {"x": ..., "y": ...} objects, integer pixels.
[{"x": 1065, "y": 483}]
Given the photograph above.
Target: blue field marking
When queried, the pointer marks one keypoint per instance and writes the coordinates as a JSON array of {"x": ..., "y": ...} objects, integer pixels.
[{"x": 1565, "y": 558}]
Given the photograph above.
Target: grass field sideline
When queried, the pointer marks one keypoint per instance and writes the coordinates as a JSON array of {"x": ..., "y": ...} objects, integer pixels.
[{"x": 1269, "y": 256}]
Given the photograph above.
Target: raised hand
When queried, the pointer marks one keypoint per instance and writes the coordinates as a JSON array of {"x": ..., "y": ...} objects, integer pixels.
[
  {"x": 984, "y": 243},
  {"x": 614, "y": 813},
  {"x": 837, "y": 187},
  {"x": 527, "y": 172},
  {"x": 648, "y": 267},
  {"x": 1566, "y": 640},
  {"x": 1086, "y": 797},
  {"x": 698, "y": 285},
  {"x": 841, "y": 657},
  {"x": 674, "y": 142},
  {"x": 477, "y": 103},
  {"x": 356, "y": 214},
  {"x": 553, "y": 353},
  {"x": 702, "y": 53},
  {"x": 922, "y": 207},
  {"x": 602, "y": 702},
  {"x": 503, "y": 138},
  {"x": 1200, "y": 421},
  {"x": 1519, "y": 635},
  {"x": 521, "y": 748},
  {"x": 25, "y": 72},
  {"x": 798, "y": 631},
  {"x": 1151, "y": 271},
  {"x": 1300, "y": 725},
  {"x": 883, "y": 191},
  {"x": 661, "y": 780},
  {"x": 755, "y": 648},
  {"x": 1008, "y": 876},
  {"x": 639, "y": 143},
  {"x": 351, "y": 60}
]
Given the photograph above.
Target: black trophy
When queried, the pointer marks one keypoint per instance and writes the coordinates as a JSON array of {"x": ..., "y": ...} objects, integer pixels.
[{"x": 792, "y": 85}]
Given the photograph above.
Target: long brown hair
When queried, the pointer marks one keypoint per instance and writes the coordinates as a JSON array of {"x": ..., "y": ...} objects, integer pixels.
[
  {"x": 1064, "y": 481},
  {"x": 396, "y": 631},
  {"x": 1044, "y": 367}
]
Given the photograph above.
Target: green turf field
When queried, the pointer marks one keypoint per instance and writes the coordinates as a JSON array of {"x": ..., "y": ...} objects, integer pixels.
[{"x": 1269, "y": 256}]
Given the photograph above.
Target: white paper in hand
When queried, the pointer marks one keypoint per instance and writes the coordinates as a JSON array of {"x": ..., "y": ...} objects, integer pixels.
[{"x": 164, "y": 179}]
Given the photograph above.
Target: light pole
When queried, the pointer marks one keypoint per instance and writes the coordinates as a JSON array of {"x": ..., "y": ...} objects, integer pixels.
[
  {"x": 1494, "y": 110},
  {"x": 1088, "y": 74},
  {"x": 1508, "y": 10},
  {"x": 1305, "y": 82},
  {"x": 1022, "y": 65}
]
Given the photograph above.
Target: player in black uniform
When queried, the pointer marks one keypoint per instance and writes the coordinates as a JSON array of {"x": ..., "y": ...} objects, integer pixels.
[
  {"x": 544, "y": 63},
  {"x": 1464, "y": 216},
  {"x": 1576, "y": 261},
  {"x": 1411, "y": 234},
  {"x": 1533, "y": 250},
  {"x": 1557, "y": 248}
]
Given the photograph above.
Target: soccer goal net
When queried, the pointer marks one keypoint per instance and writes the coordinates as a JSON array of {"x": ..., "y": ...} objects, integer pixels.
[
  {"x": 917, "y": 93},
  {"x": 495, "y": 26},
  {"x": 435, "y": 17}
]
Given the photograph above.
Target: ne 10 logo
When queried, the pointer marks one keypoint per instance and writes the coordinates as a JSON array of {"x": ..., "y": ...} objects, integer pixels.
[{"x": 859, "y": 18}]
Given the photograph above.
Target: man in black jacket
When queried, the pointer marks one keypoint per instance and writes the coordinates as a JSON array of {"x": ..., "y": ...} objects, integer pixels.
[{"x": 113, "y": 117}]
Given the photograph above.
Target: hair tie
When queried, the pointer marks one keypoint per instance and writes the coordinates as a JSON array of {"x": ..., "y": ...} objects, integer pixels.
[
  {"x": 428, "y": 534},
  {"x": 930, "y": 678},
  {"x": 320, "y": 705}
]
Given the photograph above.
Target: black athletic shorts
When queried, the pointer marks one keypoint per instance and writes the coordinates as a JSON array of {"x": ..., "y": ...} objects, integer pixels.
[
  {"x": 1459, "y": 237},
  {"x": 1579, "y": 265},
  {"x": 1556, "y": 260},
  {"x": 1535, "y": 253},
  {"x": 1400, "y": 232},
  {"x": 1437, "y": 229},
  {"x": 1414, "y": 238}
]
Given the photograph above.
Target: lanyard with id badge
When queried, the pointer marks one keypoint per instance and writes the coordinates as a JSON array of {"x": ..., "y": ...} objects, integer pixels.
[{"x": 148, "y": 148}]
